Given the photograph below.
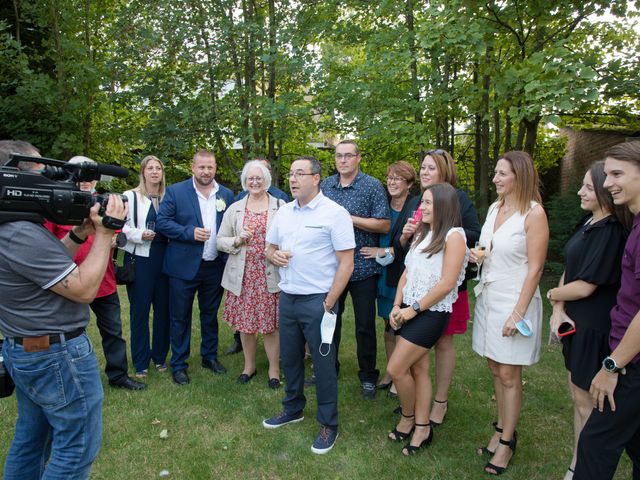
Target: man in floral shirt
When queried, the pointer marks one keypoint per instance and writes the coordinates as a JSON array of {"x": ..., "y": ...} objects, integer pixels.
[{"x": 190, "y": 216}]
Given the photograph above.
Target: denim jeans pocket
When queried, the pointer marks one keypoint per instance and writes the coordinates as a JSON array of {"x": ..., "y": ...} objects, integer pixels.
[
  {"x": 44, "y": 386},
  {"x": 80, "y": 348}
]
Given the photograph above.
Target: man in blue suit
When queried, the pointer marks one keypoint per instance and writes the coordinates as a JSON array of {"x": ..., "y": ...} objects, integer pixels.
[{"x": 190, "y": 216}]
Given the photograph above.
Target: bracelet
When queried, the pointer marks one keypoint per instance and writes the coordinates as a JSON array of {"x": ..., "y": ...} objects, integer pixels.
[
  {"x": 517, "y": 314},
  {"x": 75, "y": 238}
]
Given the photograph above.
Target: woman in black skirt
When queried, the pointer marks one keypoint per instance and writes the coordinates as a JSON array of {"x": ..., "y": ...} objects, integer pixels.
[
  {"x": 435, "y": 267},
  {"x": 587, "y": 291}
]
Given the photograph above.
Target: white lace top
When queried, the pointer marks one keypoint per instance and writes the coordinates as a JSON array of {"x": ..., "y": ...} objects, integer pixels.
[{"x": 423, "y": 272}]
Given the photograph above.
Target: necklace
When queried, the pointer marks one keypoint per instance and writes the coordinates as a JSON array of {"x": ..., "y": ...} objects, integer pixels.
[{"x": 505, "y": 209}]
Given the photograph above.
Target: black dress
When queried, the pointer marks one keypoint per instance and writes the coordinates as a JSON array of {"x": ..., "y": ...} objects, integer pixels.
[{"x": 594, "y": 255}]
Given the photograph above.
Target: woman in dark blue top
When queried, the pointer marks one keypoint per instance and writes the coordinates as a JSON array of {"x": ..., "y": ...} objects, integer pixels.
[
  {"x": 401, "y": 177},
  {"x": 587, "y": 291},
  {"x": 151, "y": 286}
]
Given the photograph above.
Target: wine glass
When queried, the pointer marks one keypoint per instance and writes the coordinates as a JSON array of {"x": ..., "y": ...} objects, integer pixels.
[{"x": 479, "y": 251}]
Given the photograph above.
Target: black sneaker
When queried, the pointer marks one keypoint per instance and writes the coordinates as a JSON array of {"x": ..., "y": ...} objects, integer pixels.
[
  {"x": 368, "y": 390},
  {"x": 325, "y": 440},
  {"x": 283, "y": 418}
]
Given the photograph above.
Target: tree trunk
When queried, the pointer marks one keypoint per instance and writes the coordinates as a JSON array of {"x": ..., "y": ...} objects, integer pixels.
[
  {"x": 271, "y": 92},
  {"x": 240, "y": 87},
  {"x": 496, "y": 134},
  {"x": 213, "y": 89},
  {"x": 531, "y": 127},
  {"x": 413, "y": 67},
  {"x": 16, "y": 12},
  {"x": 507, "y": 132},
  {"x": 86, "y": 124},
  {"x": 485, "y": 134},
  {"x": 520, "y": 137}
]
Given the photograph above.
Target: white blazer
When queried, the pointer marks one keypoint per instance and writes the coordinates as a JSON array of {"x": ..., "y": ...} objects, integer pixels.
[
  {"x": 229, "y": 229},
  {"x": 134, "y": 229}
]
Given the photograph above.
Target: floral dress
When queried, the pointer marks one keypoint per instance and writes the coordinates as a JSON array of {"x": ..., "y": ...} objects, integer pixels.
[{"x": 255, "y": 309}]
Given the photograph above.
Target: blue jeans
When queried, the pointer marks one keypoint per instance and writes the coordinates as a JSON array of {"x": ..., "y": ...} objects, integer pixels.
[{"x": 59, "y": 411}]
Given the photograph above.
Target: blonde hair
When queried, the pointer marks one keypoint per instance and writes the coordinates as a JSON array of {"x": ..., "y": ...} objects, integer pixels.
[
  {"x": 527, "y": 183},
  {"x": 142, "y": 187}
]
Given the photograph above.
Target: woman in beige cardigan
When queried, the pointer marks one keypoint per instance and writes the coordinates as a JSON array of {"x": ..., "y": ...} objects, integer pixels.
[{"x": 251, "y": 305}]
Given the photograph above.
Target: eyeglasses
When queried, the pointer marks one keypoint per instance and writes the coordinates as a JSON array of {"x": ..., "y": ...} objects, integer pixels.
[
  {"x": 298, "y": 174},
  {"x": 346, "y": 156},
  {"x": 255, "y": 179},
  {"x": 396, "y": 179}
]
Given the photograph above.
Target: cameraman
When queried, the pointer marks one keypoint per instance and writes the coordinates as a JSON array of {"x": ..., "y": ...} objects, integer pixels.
[
  {"x": 46, "y": 350},
  {"x": 105, "y": 306}
]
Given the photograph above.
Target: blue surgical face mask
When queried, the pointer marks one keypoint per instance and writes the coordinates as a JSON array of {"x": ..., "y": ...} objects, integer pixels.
[{"x": 524, "y": 327}]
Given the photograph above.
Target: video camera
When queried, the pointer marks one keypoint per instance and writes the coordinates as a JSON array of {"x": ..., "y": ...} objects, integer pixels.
[{"x": 53, "y": 193}]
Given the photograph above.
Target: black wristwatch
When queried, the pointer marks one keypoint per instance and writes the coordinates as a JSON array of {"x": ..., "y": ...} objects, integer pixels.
[
  {"x": 416, "y": 307},
  {"x": 610, "y": 365}
]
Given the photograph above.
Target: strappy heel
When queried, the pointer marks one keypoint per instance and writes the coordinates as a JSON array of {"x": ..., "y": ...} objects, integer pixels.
[
  {"x": 500, "y": 470},
  {"x": 398, "y": 435},
  {"x": 446, "y": 403},
  {"x": 482, "y": 450},
  {"x": 409, "y": 449}
]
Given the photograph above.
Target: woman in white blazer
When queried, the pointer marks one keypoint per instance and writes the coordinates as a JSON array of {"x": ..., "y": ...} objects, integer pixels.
[
  {"x": 251, "y": 304},
  {"x": 151, "y": 286}
]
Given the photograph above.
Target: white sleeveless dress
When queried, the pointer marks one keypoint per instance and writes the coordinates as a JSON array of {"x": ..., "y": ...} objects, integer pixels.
[{"x": 503, "y": 274}]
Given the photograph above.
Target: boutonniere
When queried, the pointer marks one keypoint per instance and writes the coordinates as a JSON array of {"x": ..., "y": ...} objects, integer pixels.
[{"x": 220, "y": 204}]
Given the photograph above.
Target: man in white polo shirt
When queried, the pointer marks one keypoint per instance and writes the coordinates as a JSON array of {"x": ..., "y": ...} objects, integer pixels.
[{"x": 312, "y": 241}]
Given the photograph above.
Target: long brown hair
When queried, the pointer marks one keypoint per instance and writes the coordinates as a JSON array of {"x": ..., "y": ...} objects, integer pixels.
[
  {"x": 604, "y": 198},
  {"x": 527, "y": 185},
  {"x": 446, "y": 215},
  {"x": 445, "y": 164}
]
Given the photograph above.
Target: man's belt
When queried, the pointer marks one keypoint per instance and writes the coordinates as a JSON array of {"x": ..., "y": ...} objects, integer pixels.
[{"x": 41, "y": 343}]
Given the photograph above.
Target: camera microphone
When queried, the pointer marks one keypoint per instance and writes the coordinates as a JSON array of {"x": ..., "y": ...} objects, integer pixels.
[
  {"x": 112, "y": 170},
  {"x": 87, "y": 171}
]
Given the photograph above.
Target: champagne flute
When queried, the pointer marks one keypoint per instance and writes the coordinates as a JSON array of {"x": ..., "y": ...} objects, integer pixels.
[
  {"x": 479, "y": 251},
  {"x": 150, "y": 228},
  {"x": 285, "y": 248}
]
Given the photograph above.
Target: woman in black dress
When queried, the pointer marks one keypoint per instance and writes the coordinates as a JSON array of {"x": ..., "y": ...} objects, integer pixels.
[{"x": 587, "y": 291}]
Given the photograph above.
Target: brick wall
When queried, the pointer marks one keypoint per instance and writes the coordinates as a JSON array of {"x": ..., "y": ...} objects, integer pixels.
[{"x": 583, "y": 148}]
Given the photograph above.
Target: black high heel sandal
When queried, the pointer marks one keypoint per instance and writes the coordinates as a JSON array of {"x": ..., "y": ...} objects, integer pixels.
[
  {"x": 500, "y": 470},
  {"x": 399, "y": 436},
  {"x": 436, "y": 424},
  {"x": 484, "y": 450},
  {"x": 409, "y": 449}
]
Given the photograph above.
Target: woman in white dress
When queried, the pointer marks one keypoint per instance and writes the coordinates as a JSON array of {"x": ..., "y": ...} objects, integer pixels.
[{"x": 515, "y": 237}]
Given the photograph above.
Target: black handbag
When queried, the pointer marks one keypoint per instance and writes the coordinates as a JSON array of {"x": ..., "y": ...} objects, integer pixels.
[
  {"x": 6, "y": 382},
  {"x": 126, "y": 273}
]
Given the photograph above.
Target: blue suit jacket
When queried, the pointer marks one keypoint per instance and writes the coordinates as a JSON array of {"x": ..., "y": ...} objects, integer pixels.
[{"x": 178, "y": 217}]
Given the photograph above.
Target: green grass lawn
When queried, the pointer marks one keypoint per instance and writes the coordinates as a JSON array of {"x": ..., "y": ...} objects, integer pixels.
[{"x": 214, "y": 425}]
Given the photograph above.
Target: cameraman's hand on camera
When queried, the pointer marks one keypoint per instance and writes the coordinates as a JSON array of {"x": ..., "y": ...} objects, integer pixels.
[
  {"x": 85, "y": 229},
  {"x": 116, "y": 208}
]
